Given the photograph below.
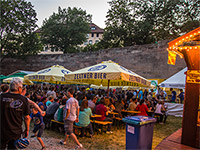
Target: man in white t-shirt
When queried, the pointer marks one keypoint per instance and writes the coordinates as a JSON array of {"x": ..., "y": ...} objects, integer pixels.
[{"x": 72, "y": 113}]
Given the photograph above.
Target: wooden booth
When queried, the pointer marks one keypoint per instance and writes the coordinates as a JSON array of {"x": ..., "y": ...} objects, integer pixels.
[{"x": 188, "y": 47}]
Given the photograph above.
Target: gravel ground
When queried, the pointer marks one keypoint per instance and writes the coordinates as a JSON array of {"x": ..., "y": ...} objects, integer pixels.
[
  {"x": 51, "y": 143},
  {"x": 51, "y": 140}
]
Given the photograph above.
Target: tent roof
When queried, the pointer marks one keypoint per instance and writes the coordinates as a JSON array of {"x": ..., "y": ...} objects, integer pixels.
[
  {"x": 22, "y": 71},
  {"x": 54, "y": 74},
  {"x": 108, "y": 72},
  {"x": 2, "y": 77},
  {"x": 175, "y": 81}
]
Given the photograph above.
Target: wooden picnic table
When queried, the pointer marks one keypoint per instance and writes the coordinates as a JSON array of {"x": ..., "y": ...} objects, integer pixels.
[
  {"x": 96, "y": 116},
  {"x": 113, "y": 113},
  {"x": 150, "y": 111},
  {"x": 132, "y": 112}
]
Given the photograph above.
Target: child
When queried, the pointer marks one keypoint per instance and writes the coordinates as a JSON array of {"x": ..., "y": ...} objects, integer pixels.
[{"x": 38, "y": 125}]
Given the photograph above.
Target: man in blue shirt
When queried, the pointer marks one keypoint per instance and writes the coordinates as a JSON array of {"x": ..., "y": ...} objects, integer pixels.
[
  {"x": 181, "y": 95},
  {"x": 140, "y": 94},
  {"x": 173, "y": 95}
]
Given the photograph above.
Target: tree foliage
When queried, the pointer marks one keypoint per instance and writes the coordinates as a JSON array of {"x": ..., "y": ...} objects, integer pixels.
[
  {"x": 65, "y": 30},
  {"x": 119, "y": 24},
  {"x": 18, "y": 21},
  {"x": 132, "y": 22},
  {"x": 166, "y": 18}
]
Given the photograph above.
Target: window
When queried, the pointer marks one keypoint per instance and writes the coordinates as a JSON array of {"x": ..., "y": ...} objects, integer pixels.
[
  {"x": 92, "y": 35},
  {"x": 85, "y": 43},
  {"x": 96, "y": 41},
  {"x": 90, "y": 41},
  {"x": 97, "y": 34},
  {"x": 88, "y": 35},
  {"x": 53, "y": 49},
  {"x": 46, "y": 48},
  {"x": 56, "y": 49},
  {"x": 93, "y": 28}
]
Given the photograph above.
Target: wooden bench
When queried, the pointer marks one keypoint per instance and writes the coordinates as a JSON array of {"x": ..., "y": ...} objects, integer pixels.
[
  {"x": 77, "y": 130},
  {"x": 57, "y": 124},
  {"x": 157, "y": 118},
  {"x": 100, "y": 125},
  {"x": 118, "y": 122},
  {"x": 61, "y": 124}
]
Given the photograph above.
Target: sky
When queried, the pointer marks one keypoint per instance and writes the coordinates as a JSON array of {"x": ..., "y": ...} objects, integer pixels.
[{"x": 97, "y": 8}]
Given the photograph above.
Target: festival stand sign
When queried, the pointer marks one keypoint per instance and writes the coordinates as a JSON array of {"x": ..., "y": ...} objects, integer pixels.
[{"x": 107, "y": 73}]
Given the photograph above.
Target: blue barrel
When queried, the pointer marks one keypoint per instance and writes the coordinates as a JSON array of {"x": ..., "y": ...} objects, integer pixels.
[{"x": 139, "y": 132}]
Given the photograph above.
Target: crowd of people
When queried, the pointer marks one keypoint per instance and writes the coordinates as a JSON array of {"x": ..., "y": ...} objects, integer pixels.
[{"x": 71, "y": 105}]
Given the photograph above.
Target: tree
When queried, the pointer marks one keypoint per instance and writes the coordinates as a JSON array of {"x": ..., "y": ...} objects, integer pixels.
[
  {"x": 132, "y": 22},
  {"x": 29, "y": 44},
  {"x": 18, "y": 21},
  {"x": 119, "y": 24},
  {"x": 66, "y": 29},
  {"x": 166, "y": 17}
]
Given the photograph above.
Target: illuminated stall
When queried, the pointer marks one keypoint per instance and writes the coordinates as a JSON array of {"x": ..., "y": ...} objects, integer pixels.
[{"x": 188, "y": 47}]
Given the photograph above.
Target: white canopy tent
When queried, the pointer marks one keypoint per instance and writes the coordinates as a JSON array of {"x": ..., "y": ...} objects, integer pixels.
[{"x": 175, "y": 81}]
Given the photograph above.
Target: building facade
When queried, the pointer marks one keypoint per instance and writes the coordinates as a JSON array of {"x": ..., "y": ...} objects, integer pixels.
[{"x": 93, "y": 37}]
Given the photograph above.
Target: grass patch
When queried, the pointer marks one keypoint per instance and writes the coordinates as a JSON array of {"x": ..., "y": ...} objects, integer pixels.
[
  {"x": 164, "y": 130},
  {"x": 116, "y": 140}
]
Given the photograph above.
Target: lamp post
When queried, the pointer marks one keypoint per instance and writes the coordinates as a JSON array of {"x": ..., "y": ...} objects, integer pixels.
[{"x": 188, "y": 47}]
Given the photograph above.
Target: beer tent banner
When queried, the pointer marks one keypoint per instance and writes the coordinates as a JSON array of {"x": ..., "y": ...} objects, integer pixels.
[
  {"x": 54, "y": 74},
  {"x": 107, "y": 72}
]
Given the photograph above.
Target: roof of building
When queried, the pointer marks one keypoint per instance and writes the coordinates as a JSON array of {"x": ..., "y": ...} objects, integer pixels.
[
  {"x": 38, "y": 31},
  {"x": 95, "y": 29}
]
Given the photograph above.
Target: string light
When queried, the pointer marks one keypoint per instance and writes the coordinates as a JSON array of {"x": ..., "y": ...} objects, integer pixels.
[{"x": 175, "y": 45}]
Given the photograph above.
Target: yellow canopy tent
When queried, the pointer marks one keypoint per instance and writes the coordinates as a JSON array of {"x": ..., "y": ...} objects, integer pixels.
[
  {"x": 107, "y": 73},
  {"x": 27, "y": 82},
  {"x": 54, "y": 74}
]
